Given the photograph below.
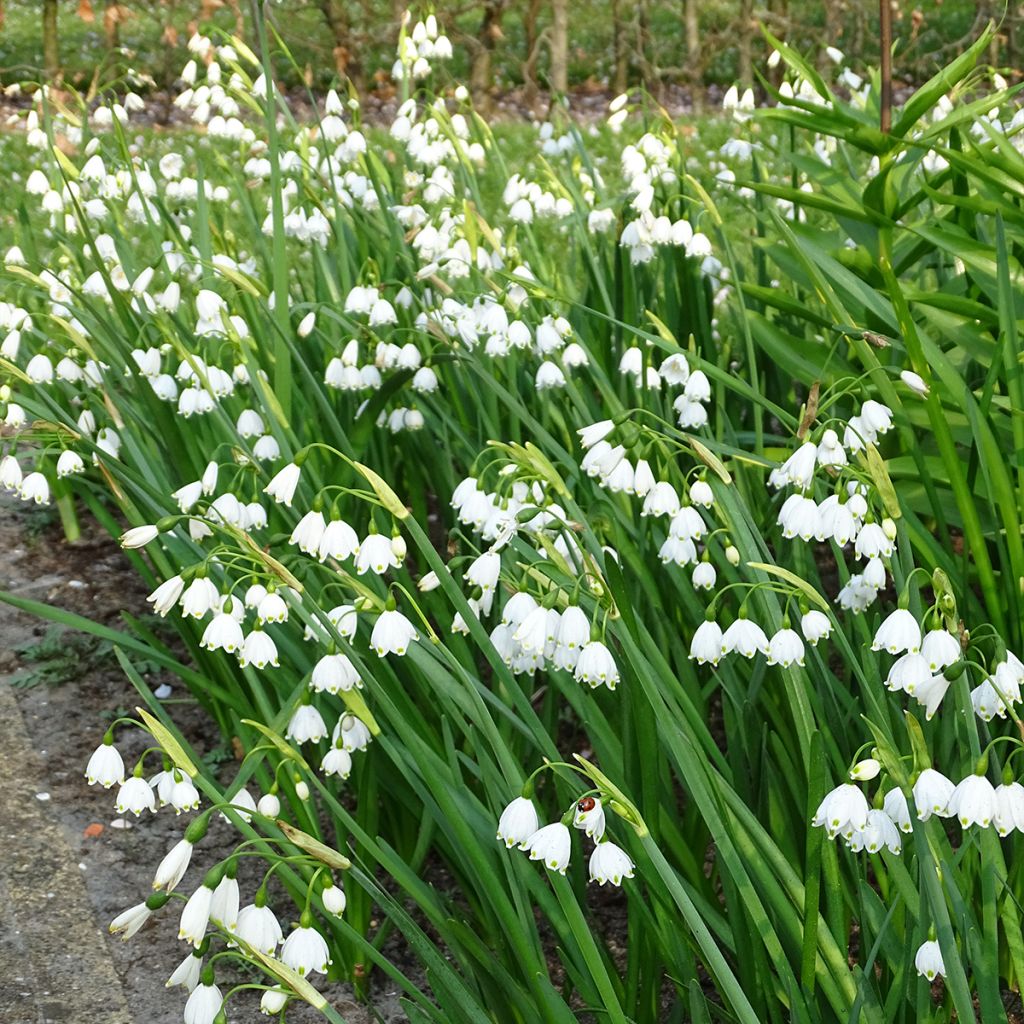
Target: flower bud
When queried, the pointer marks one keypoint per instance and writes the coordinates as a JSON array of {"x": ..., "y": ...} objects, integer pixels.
[
  {"x": 864, "y": 771},
  {"x": 732, "y": 554}
]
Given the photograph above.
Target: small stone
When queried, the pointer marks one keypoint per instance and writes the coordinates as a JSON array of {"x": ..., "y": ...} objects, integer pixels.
[{"x": 42, "y": 797}]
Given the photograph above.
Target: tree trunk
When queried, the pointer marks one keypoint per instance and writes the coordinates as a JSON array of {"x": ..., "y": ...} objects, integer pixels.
[
  {"x": 51, "y": 49},
  {"x": 336, "y": 16},
  {"x": 560, "y": 45},
  {"x": 745, "y": 43},
  {"x": 480, "y": 80},
  {"x": 648, "y": 73},
  {"x": 530, "y": 85},
  {"x": 112, "y": 24},
  {"x": 833, "y": 31},
  {"x": 620, "y": 54},
  {"x": 694, "y": 58}
]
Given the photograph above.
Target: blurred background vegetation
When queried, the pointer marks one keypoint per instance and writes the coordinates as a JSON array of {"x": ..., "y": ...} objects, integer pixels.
[{"x": 501, "y": 46}]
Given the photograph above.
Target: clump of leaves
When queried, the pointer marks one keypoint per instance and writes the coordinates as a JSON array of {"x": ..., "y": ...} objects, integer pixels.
[{"x": 60, "y": 655}]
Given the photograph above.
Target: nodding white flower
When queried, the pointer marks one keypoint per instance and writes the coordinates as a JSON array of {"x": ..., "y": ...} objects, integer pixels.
[
  {"x": 866, "y": 770},
  {"x": 596, "y": 666},
  {"x": 707, "y": 643},
  {"x": 549, "y": 375},
  {"x": 973, "y": 802},
  {"x": 610, "y": 863},
  {"x": 183, "y": 795},
  {"x": 69, "y": 463},
  {"x": 744, "y": 637},
  {"x": 334, "y": 673},
  {"x": 908, "y": 673},
  {"x": 352, "y": 732},
  {"x": 187, "y": 973},
  {"x": 704, "y": 576},
  {"x": 106, "y": 766},
  {"x": 1009, "y": 814},
  {"x": 573, "y": 634},
  {"x": 698, "y": 387},
  {"x": 844, "y": 809},
  {"x": 643, "y": 478},
  {"x": 305, "y": 951},
  {"x": 199, "y": 597},
  {"x": 874, "y": 573},
  {"x": 896, "y": 807},
  {"x": 203, "y": 1004},
  {"x": 257, "y": 926},
  {"x": 799, "y": 517},
  {"x": 273, "y": 1001},
  {"x": 675, "y": 369},
  {"x": 195, "y": 916},
  {"x": 932, "y": 794},
  {"x": 516, "y": 609},
  {"x": 830, "y": 452},
  {"x": 172, "y": 868},
  {"x": 484, "y": 570},
  {"x": 536, "y": 630},
  {"x": 222, "y": 633},
  {"x": 282, "y": 487},
  {"x": 687, "y": 524},
  {"x": 269, "y": 805},
  {"x": 306, "y": 725},
  {"x": 915, "y": 382},
  {"x": 35, "y": 487},
  {"x": 879, "y": 831},
  {"x": 130, "y": 921},
  {"x": 929, "y": 694},
  {"x": 661, "y": 500},
  {"x": 334, "y": 898},
  {"x": 135, "y": 796},
  {"x": 309, "y": 532},
  {"x": 424, "y": 381},
  {"x": 798, "y": 469},
  {"x": 551, "y": 844},
  {"x": 989, "y": 702},
  {"x": 928, "y": 961},
  {"x": 376, "y": 553},
  {"x": 517, "y": 822},
  {"x": 306, "y": 325},
  {"x": 589, "y": 816},
  {"x": 701, "y": 494},
  {"x": 815, "y": 626},
  {"x": 876, "y": 417},
  {"x": 872, "y": 542},
  {"x": 224, "y": 905},
  {"x": 338, "y": 541},
  {"x": 836, "y": 521},
  {"x": 940, "y": 648},
  {"x": 272, "y": 608},
  {"x": 344, "y": 619},
  {"x": 392, "y": 633},
  {"x": 187, "y": 496},
  {"x": 258, "y": 649},
  {"x": 10, "y": 473},
  {"x": 899, "y": 632},
  {"x": 337, "y": 761},
  {"x": 785, "y": 648},
  {"x": 856, "y": 595}
]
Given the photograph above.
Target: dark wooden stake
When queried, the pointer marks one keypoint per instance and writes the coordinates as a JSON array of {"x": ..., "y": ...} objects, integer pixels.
[{"x": 885, "y": 33}]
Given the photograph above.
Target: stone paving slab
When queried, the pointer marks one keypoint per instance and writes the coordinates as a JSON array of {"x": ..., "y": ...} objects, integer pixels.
[{"x": 54, "y": 965}]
